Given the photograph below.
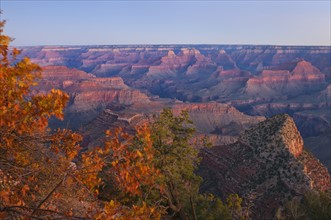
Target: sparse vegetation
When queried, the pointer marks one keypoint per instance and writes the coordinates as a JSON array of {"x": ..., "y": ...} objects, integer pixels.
[{"x": 313, "y": 206}]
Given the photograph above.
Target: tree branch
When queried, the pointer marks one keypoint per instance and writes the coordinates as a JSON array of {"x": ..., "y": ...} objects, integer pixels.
[{"x": 49, "y": 195}]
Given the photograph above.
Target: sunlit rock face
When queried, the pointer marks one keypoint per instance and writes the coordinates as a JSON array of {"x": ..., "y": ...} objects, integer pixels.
[
  {"x": 268, "y": 163},
  {"x": 86, "y": 88},
  {"x": 221, "y": 123},
  {"x": 214, "y": 117},
  {"x": 89, "y": 95}
]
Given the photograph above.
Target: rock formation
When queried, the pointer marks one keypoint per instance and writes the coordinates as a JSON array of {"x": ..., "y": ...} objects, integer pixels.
[
  {"x": 88, "y": 95},
  {"x": 94, "y": 131},
  {"x": 268, "y": 163},
  {"x": 222, "y": 122},
  {"x": 305, "y": 78}
]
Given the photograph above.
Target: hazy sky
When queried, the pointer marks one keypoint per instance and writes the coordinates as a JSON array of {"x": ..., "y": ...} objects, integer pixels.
[{"x": 61, "y": 22}]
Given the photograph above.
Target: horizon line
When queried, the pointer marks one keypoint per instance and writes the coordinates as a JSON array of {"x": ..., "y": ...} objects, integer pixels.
[{"x": 169, "y": 44}]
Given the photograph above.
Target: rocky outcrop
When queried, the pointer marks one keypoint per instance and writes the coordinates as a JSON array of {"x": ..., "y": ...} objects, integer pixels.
[
  {"x": 87, "y": 100},
  {"x": 94, "y": 131},
  {"x": 268, "y": 163},
  {"x": 279, "y": 132},
  {"x": 188, "y": 61},
  {"x": 224, "y": 60},
  {"x": 60, "y": 77},
  {"x": 108, "y": 69},
  {"x": 61, "y": 73},
  {"x": 305, "y": 78}
]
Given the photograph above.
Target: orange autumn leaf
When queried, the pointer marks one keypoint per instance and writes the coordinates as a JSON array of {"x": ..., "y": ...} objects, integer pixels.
[{"x": 25, "y": 189}]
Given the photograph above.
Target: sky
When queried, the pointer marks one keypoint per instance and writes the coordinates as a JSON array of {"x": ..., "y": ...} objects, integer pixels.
[{"x": 264, "y": 22}]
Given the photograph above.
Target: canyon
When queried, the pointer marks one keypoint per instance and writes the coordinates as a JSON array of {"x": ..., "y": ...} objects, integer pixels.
[
  {"x": 265, "y": 109},
  {"x": 259, "y": 81},
  {"x": 98, "y": 104}
]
